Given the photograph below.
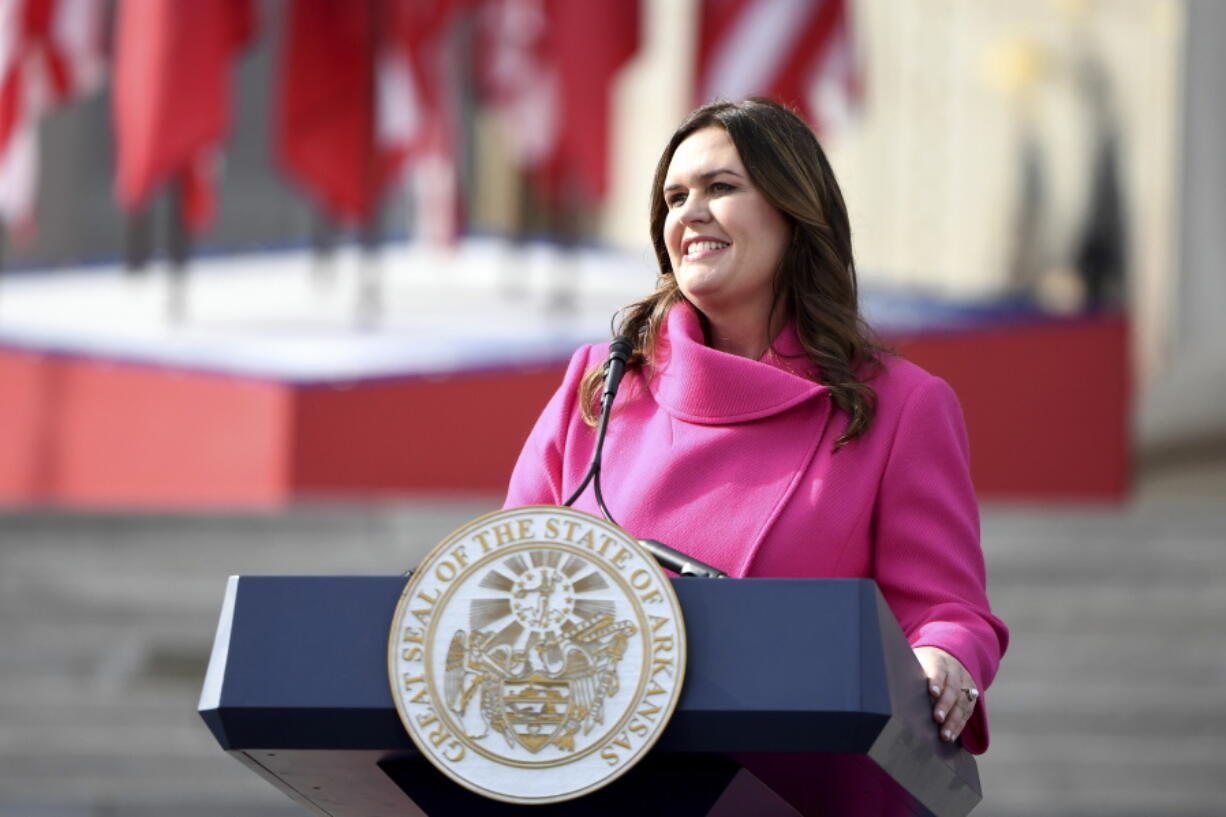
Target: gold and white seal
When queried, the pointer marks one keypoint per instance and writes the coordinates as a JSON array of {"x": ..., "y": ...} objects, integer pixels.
[{"x": 536, "y": 654}]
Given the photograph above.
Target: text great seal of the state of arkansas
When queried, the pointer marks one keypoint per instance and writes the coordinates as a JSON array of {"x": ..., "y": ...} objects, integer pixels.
[{"x": 536, "y": 654}]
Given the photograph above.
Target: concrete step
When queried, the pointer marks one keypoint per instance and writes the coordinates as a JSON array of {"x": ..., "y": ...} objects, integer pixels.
[
  {"x": 1113, "y": 606},
  {"x": 1108, "y": 709},
  {"x": 1075, "y": 774},
  {"x": 1176, "y": 659}
]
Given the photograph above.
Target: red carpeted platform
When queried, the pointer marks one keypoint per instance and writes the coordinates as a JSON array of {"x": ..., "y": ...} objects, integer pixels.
[{"x": 1046, "y": 404}]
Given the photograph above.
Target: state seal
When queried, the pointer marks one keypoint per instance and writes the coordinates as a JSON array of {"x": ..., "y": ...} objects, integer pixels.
[{"x": 536, "y": 654}]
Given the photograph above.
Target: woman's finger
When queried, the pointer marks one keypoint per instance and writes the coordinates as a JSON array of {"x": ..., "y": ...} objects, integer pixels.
[
  {"x": 937, "y": 674},
  {"x": 945, "y": 704},
  {"x": 959, "y": 713},
  {"x": 957, "y": 718}
]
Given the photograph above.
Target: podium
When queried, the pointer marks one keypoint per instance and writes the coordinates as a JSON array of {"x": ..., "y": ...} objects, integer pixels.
[{"x": 801, "y": 697}]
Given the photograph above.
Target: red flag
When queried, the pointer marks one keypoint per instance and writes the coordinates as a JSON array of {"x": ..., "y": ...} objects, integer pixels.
[
  {"x": 550, "y": 71},
  {"x": 417, "y": 114},
  {"x": 592, "y": 42},
  {"x": 799, "y": 52},
  {"x": 171, "y": 97},
  {"x": 519, "y": 77},
  {"x": 50, "y": 51},
  {"x": 326, "y": 125},
  {"x": 417, "y": 75}
]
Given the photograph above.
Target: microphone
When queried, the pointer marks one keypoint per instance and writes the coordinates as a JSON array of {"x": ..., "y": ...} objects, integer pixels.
[
  {"x": 680, "y": 563},
  {"x": 615, "y": 367}
]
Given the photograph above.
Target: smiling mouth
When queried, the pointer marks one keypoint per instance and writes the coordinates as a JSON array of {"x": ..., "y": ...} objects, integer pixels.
[{"x": 701, "y": 249}]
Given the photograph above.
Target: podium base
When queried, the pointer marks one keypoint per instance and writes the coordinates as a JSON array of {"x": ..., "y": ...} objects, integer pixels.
[
  {"x": 690, "y": 785},
  {"x": 673, "y": 785}
]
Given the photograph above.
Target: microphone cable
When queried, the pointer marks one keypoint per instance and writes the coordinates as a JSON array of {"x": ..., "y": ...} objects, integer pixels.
[
  {"x": 680, "y": 563},
  {"x": 614, "y": 368}
]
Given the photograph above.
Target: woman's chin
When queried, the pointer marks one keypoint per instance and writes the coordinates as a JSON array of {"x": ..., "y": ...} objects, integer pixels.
[
  {"x": 703, "y": 288},
  {"x": 704, "y": 301}
]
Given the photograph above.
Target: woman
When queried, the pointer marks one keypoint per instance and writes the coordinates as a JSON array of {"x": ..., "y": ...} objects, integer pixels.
[{"x": 759, "y": 428}]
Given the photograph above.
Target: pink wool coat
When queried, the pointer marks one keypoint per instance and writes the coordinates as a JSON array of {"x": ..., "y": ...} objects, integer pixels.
[{"x": 732, "y": 460}]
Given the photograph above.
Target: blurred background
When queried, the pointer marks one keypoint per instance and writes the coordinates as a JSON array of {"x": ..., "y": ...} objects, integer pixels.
[{"x": 284, "y": 283}]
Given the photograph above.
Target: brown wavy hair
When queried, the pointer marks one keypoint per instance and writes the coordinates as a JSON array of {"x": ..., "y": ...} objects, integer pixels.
[{"x": 816, "y": 282}]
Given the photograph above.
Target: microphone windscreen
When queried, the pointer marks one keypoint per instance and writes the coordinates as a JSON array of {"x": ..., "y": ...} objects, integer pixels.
[{"x": 620, "y": 348}]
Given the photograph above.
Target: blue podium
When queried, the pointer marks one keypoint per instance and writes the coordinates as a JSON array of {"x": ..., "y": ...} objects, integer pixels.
[{"x": 801, "y": 697}]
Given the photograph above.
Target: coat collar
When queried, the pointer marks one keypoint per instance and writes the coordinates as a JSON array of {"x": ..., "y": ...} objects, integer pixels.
[{"x": 698, "y": 384}]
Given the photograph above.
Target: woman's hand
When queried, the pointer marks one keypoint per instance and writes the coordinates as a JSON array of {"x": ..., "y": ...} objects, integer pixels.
[{"x": 951, "y": 688}]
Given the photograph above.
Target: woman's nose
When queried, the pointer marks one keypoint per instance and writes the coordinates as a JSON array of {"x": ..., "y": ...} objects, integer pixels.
[{"x": 693, "y": 210}]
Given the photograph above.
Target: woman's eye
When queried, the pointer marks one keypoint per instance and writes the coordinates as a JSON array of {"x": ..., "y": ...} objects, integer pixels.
[
  {"x": 720, "y": 187},
  {"x": 676, "y": 199}
]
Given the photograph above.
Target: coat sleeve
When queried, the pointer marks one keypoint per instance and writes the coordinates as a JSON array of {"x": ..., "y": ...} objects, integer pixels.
[
  {"x": 539, "y": 474},
  {"x": 928, "y": 560}
]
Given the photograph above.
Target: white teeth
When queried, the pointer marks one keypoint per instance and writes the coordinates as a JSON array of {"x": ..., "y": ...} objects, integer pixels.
[{"x": 701, "y": 246}]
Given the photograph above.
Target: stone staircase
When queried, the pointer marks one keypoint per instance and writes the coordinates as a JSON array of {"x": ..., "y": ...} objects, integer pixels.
[
  {"x": 106, "y": 623},
  {"x": 1112, "y": 699}
]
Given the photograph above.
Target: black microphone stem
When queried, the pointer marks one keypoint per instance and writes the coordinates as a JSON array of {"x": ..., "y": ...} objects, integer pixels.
[{"x": 593, "y": 470}]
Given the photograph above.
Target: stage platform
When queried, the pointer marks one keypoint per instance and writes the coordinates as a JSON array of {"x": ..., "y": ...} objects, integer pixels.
[{"x": 283, "y": 383}]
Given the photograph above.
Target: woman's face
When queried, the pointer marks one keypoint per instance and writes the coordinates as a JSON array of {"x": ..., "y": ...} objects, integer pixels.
[{"x": 725, "y": 240}]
